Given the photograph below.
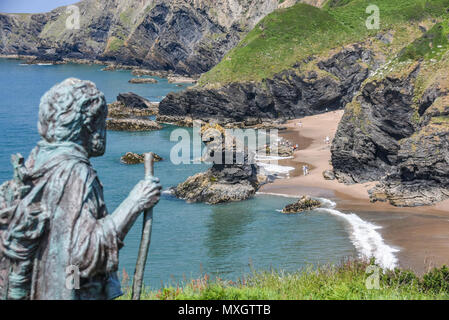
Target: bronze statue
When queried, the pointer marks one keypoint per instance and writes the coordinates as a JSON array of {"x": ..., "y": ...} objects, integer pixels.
[{"x": 53, "y": 218}]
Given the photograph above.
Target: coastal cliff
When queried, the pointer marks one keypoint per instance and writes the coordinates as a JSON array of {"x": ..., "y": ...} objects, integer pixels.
[
  {"x": 304, "y": 60},
  {"x": 296, "y": 62},
  {"x": 290, "y": 94},
  {"x": 182, "y": 36},
  {"x": 396, "y": 130}
]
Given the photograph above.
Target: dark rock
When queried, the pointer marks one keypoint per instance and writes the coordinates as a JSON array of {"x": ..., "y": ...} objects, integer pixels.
[
  {"x": 366, "y": 144},
  {"x": 393, "y": 135},
  {"x": 304, "y": 204},
  {"x": 329, "y": 175},
  {"x": 134, "y": 101},
  {"x": 287, "y": 95}
]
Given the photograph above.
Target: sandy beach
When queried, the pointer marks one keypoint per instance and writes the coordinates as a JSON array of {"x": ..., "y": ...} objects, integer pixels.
[{"x": 420, "y": 234}]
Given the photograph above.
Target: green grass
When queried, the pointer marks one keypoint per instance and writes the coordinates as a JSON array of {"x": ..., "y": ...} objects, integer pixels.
[
  {"x": 431, "y": 46},
  {"x": 344, "y": 282},
  {"x": 288, "y": 36}
]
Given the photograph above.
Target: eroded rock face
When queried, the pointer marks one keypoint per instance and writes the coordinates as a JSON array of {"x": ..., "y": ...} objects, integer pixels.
[
  {"x": 366, "y": 145},
  {"x": 184, "y": 36},
  {"x": 288, "y": 95},
  {"x": 398, "y": 134}
]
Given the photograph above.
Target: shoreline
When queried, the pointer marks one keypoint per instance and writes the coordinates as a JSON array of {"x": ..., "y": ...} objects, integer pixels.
[
  {"x": 419, "y": 233},
  {"x": 108, "y": 66}
]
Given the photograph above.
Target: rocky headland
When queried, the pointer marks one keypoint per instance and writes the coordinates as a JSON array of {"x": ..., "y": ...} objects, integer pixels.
[
  {"x": 290, "y": 94},
  {"x": 185, "y": 37},
  {"x": 396, "y": 131}
]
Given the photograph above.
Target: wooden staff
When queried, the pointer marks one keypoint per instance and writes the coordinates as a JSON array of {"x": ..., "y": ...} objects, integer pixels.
[{"x": 146, "y": 235}]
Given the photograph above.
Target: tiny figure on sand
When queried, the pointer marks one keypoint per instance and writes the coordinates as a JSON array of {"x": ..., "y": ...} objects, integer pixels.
[{"x": 305, "y": 170}]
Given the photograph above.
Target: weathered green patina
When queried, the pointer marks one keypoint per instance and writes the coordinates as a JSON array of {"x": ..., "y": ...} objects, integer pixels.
[{"x": 52, "y": 214}]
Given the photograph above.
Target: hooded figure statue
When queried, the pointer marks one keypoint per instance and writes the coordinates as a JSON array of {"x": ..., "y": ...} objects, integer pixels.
[{"x": 54, "y": 223}]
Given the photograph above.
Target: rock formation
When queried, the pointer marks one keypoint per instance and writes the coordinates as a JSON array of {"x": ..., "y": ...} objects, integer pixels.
[
  {"x": 223, "y": 182},
  {"x": 142, "y": 80},
  {"x": 184, "y": 36},
  {"x": 396, "y": 130},
  {"x": 290, "y": 94},
  {"x": 304, "y": 204},
  {"x": 130, "y": 105},
  {"x": 135, "y": 158}
]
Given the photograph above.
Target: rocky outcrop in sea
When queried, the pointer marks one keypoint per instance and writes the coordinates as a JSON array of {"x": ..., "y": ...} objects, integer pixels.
[
  {"x": 136, "y": 158},
  {"x": 304, "y": 204},
  {"x": 131, "y": 106},
  {"x": 223, "y": 182}
]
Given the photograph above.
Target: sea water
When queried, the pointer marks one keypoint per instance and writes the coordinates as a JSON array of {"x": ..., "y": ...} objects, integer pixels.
[{"x": 188, "y": 240}]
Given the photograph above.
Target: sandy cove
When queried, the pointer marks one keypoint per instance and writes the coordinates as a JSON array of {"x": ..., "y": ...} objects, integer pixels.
[{"x": 421, "y": 234}]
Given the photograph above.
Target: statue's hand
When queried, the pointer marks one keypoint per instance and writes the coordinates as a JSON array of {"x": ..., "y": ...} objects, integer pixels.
[{"x": 146, "y": 193}]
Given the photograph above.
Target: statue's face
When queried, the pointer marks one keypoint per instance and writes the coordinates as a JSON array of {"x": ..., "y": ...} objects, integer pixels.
[{"x": 97, "y": 140}]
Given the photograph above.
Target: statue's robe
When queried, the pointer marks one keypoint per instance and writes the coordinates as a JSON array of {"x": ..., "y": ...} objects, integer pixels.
[{"x": 61, "y": 225}]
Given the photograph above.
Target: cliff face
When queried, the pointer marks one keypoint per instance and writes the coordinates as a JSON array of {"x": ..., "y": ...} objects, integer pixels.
[
  {"x": 396, "y": 130},
  {"x": 184, "y": 36},
  {"x": 291, "y": 94}
]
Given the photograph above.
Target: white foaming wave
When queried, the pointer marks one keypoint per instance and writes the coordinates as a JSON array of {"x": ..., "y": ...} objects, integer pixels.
[
  {"x": 271, "y": 169},
  {"x": 259, "y": 157},
  {"x": 168, "y": 191},
  {"x": 367, "y": 240},
  {"x": 277, "y": 195}
]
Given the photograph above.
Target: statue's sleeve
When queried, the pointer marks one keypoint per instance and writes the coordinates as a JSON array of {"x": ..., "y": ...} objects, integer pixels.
[{"x": 94, "y": 243}]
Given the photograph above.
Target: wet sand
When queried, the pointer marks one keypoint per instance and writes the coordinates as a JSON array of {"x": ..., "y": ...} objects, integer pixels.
[{"x": 421, "y": 234}]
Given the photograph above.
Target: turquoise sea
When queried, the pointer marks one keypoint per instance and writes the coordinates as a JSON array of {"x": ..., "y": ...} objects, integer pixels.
[{"x": 188, "y": 239}]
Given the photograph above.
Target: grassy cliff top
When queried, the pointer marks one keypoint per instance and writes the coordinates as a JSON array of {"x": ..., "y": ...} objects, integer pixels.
[{"x": 290, "y": 35}]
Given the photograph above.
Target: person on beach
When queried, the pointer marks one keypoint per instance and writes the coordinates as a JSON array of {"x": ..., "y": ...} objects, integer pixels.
[{"x": 305, "y": 170}]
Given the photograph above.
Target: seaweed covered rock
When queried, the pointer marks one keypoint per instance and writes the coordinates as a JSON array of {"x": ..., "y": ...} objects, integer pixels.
[
  {"x": 304, "y": 204},
  {"x": 142, "y": 80},
  {"x": 135, "y": 158}
]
